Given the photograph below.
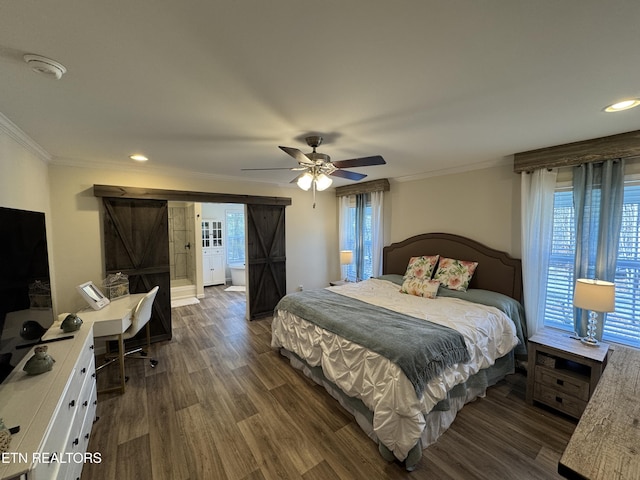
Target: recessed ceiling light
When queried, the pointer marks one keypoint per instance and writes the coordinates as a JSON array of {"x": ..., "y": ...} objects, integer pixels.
[
  {"x": 623, "y": 105},
  {"x": 138, "y": 157}
]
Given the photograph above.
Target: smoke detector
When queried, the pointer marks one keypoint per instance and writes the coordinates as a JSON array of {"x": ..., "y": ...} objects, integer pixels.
[{"x": 45, "y": 65}]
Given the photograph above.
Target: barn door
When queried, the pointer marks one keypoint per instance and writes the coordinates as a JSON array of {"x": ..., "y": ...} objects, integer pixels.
[
  {"x": 266, "y": 258},
  {"x": 136, "y": 242}
]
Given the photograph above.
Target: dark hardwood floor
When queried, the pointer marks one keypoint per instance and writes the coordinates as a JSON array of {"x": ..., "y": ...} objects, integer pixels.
[{"x": 221, "y": 404}]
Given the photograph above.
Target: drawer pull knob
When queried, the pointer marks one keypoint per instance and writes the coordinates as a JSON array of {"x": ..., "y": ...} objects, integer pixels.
[
  {"x": 86, "y": 436},
  {"x": 91, "y": 347},
  {"x": 85, "y": 403},
  {"x": 72, "y": 403},
  {"x": 560, "y": 382},
  {"x": 83, "y": 371},
  {"x": 75, "y": 442},
  {"x": 559, "y": 399}
]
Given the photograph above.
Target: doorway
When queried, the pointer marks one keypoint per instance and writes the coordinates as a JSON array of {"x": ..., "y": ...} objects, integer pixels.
[
  {"x": 182, "y": 252},
  {"x": 223, "y": 245},
  {"x": 265, "y": 239}
]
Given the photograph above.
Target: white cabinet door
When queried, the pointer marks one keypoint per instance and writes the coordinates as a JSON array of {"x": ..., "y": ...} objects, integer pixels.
[
  {"x": 213, "y": 266},
  {"x": 211, "y": 233},
  {"x": 212, "y": 253}
]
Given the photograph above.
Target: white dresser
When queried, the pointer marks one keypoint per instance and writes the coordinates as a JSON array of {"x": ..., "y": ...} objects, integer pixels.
[{"x": 55, "y": 411}]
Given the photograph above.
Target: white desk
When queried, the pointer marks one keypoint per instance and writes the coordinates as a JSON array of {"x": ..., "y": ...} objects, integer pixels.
[{"x": 113, "y": 319}]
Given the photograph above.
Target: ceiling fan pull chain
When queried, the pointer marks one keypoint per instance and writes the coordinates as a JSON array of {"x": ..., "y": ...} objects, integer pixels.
[{"x": 314, "y": 193}]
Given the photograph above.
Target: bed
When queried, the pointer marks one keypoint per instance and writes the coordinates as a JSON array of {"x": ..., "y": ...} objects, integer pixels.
[{"x": 401, "y": 377}]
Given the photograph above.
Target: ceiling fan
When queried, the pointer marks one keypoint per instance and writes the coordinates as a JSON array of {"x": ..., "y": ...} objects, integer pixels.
[{"x": 316, "y": 167}]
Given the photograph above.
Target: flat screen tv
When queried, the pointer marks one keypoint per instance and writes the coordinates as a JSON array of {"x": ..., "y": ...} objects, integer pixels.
[{"x": 25, "y": 286}]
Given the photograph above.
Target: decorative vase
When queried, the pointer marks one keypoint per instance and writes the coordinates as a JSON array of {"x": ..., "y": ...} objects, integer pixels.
[
  {"x": 71, "y": 323},
  {"x": 40, "y": 362},
  {"x": 32, "y": 330}
]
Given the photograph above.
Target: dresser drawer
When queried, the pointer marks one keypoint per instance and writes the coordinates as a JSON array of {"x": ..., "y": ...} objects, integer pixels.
[
  {"x": 85, "y": 365},
  {"x": 79, "y": 439},
  {"x": 59, "y": 430},
  {"x": 563, "y": 381},
  {"x": 559, "y": 400},
  {"x": 77, "y": 400}
]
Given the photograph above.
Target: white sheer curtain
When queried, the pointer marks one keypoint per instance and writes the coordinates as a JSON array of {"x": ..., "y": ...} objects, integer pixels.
[
  {"x": 345, "y": 232},
  {"x": 537, "y": 191},
  {"x": 377, "y": 233}
]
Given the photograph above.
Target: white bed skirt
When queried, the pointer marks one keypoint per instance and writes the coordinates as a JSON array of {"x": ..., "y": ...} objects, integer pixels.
[{"x": 437, "y": 421}]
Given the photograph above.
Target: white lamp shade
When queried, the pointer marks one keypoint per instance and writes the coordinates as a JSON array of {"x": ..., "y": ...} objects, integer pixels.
[
  {"x": 323, "y": 182},
  {"x": 346, "y": 257},
  {"x": 304, "y": 182},
  {"x": 594, "y": 295}
]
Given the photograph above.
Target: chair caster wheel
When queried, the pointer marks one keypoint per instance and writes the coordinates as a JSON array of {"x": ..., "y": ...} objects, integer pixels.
[{"x": 153, "y": 363}]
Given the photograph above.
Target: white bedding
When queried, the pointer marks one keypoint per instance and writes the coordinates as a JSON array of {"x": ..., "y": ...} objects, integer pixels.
[{"x": 398, "y": 415}]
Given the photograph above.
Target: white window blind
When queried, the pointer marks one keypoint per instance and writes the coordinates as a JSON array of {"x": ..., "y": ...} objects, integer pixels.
[{"x": 623, "y": 325}]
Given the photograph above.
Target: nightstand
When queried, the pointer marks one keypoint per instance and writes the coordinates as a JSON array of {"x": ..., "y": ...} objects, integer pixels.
[{"x": 562, "y": 371}]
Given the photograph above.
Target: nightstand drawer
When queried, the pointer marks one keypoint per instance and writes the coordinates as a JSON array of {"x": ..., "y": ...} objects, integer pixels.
[
  {"x": 559, "y": 400},
  {"x": 563, "y": 381}
]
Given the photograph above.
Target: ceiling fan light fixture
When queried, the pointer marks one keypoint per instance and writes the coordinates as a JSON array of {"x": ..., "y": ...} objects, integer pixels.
[
  {"x": 623, "y": 105},
  {"x": 304, "y": 182},
  {"x": 323, "y": 182}
]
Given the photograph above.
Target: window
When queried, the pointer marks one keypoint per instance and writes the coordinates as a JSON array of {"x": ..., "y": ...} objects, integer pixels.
[
  {"x": 623, "y": 325},
  {"x": 235, "y": 236},
  {"x": 359, "y": 240}
]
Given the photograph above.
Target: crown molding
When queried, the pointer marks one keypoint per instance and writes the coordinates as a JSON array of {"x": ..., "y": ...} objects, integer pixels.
[
  {"x": 449, "y": 171},
  {"x": 161, "y": 170},
  {"x": 16, "y": 133}
]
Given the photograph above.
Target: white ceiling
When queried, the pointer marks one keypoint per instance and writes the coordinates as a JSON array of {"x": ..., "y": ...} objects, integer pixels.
[{"x": 216, "y": 86}]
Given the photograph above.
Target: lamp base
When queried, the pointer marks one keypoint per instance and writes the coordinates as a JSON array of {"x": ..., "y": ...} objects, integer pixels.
[{"x": 591, "y": 342}]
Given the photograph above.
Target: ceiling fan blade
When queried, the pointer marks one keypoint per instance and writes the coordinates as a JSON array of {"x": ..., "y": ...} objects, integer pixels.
[
  {"x": 360, "y": 162},
  {"x": 298, "y": 155},
  {"x": 348, "y": 175}
]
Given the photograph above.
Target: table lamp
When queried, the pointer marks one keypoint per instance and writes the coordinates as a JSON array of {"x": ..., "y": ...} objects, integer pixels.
[
  {"x": 596, "y": 296},
  {"x": 346, "y": 258}
]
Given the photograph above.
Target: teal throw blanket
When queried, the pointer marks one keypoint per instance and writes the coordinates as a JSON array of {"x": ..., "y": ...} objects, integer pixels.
[{"x": 420, "y": 348}]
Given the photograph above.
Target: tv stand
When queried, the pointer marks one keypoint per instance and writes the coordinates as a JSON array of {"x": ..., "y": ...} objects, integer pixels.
[{"x": 54, "y": 410}]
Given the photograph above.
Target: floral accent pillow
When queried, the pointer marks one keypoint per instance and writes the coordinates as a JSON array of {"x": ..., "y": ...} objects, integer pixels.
[
  {"x": 419, "y": 287},
  {"x": 455, "y": 274},
  {"x": 421, "y": 267}
]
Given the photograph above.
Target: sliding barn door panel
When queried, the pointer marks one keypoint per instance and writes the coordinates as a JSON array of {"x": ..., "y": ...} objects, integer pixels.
[
  {"x": 266, "y": 255},
  {"x": 136, "y": 242}
]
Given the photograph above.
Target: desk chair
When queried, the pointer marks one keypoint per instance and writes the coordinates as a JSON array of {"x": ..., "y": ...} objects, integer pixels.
[{"x": 140, "y": 316}]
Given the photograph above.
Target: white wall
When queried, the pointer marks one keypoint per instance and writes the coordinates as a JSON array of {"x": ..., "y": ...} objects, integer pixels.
[
  {"x": 24, "y": 180},
  {"x": 311, "y": 234},
  {"x": 481, "y": 204}
]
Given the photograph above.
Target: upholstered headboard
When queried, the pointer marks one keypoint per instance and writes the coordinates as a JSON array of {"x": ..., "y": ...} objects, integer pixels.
[{"x": 497, "y": 271}]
